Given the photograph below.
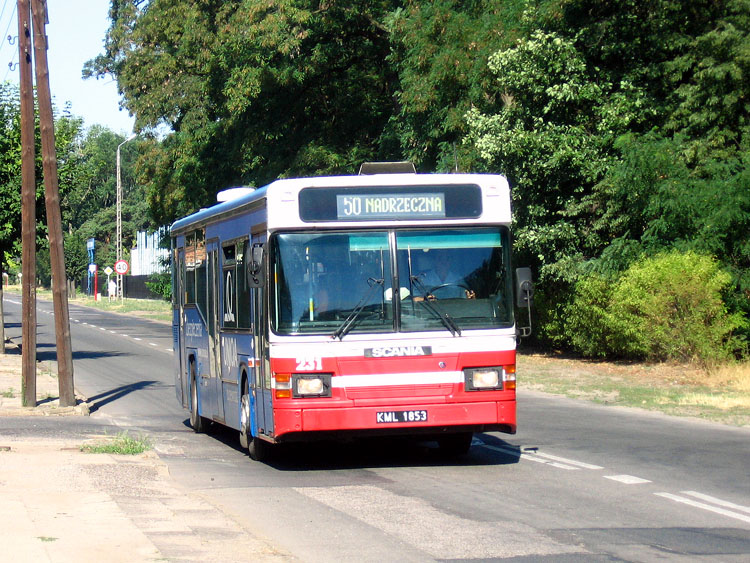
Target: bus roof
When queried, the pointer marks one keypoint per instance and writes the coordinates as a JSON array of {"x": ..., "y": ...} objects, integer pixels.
[{"x": 291, "y": 186}]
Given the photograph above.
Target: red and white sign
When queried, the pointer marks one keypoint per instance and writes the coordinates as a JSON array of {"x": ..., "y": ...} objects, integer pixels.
[{"x": 122, "y": 267}]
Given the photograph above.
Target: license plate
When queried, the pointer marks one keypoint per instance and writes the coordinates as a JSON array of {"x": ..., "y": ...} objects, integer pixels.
[{"x": 386, "y": 417}]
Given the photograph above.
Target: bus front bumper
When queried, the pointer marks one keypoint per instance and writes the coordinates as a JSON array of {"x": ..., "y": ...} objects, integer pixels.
[{"x": 403, "y": 419}]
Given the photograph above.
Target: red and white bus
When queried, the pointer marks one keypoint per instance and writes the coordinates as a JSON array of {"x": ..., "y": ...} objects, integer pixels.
[{"x": 375, "y": 304}]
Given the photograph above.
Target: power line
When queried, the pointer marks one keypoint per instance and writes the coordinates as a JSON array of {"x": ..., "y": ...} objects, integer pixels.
[{"x": 2, "y": 40}]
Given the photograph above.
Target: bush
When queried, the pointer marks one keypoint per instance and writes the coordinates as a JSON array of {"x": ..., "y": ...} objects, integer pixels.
[
  {"x": 667, "y": 307},
  {"x": 161, "y": 284}
]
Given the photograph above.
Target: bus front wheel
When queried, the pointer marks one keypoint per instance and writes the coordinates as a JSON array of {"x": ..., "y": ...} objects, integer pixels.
[
  {"x": 196, "y": 420},
  {"x": 245, "y": 428},
  {"x": 258, "y": 449}
]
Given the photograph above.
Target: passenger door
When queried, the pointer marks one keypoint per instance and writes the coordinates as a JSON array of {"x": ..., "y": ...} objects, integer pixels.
[
  {"x": 214, "y": 341},
  {"x": 262, "y": 384}
]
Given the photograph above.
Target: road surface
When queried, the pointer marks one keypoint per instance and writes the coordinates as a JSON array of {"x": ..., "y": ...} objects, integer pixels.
[{"x": 578, "y": 482}]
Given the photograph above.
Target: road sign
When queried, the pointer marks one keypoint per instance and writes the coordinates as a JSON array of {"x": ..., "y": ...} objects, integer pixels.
[
  {"x": 122, "y": 267},
  {"x": 108, "y": 271}
]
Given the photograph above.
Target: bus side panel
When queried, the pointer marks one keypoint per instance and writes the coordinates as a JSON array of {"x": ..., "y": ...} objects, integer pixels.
[
  {"x": 236, "y": 355},
  {"x": 196, "y": 339}
]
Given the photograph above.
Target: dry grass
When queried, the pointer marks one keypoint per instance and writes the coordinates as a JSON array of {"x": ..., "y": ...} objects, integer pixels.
[
  {"x": 733, "y": 376},
  {"x": 721, "y": 395}
]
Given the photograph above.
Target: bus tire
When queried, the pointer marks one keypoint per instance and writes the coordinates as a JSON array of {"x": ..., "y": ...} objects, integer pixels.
[
  {"x": 245, "y": 422},
  {"x": 196, "y": 420},
  {"x": 259, "y": 449},
  {"x": 453, "y": 445}
]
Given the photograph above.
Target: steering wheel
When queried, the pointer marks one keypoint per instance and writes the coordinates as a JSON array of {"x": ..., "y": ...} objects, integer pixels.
[{"x": 463, "y": 286}]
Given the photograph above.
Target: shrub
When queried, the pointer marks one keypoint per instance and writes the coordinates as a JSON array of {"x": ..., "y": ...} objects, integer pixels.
[
  {"x": 161, "y": 284},
  {"x": 588, "y": 327},
  {"x": 670, "y": 306}
]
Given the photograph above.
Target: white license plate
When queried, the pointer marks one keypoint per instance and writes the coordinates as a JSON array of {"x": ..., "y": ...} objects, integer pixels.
[{"x": 386, "y": 417}]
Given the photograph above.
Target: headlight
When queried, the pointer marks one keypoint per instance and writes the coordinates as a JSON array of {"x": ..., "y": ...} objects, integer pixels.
[
  {"x": 311, "y": 385},
  {"x": 477, "y": 379}
]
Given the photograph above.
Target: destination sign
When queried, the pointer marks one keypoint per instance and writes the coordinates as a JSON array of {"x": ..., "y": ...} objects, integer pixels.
[
  {"x": 390, "y": 206},
  {"x": 384, "y": 203}
]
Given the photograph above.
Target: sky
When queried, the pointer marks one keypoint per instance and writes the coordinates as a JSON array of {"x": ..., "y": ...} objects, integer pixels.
[{"x": 76, "y": 32}]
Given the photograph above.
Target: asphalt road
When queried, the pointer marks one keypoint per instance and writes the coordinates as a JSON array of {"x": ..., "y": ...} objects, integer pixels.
[{"x": 577, "y": 483}]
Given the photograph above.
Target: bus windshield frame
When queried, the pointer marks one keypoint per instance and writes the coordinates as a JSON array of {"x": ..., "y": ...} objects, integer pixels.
[{"x": 339, "y": 282}]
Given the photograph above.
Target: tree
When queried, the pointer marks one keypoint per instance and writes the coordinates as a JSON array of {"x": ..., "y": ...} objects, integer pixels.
[
  {"x": 440, "y": 50},
  {"x": 250, "y": 91}
]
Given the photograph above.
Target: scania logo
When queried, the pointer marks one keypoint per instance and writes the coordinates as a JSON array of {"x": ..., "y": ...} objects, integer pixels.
[{"x": 393, "y": 351}]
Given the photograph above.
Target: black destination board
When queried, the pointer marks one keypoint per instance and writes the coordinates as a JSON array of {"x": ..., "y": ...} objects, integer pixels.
[{"x": 385, "y": 203}]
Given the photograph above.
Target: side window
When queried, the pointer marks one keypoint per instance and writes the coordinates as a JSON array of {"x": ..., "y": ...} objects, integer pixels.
[
  {"x": 201, "y": 269},
  {"x": 243, "y": 291},
  {"x": 190, "y": 268},
  {"x": 229, "y": 286}
]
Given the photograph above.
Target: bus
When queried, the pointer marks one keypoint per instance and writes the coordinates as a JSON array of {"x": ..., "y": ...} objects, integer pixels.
[{"x": 349, "y": 306}]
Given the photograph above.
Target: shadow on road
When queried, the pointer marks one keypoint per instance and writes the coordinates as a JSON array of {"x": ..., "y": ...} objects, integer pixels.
[
  {"x": 371, "y": 452},
  {"x": 98, "y": 401}
]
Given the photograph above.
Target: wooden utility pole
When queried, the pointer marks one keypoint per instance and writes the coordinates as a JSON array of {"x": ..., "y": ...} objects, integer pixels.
[
  {"x": 28, "y": 210},
  {"x": 52, "y": 201}
]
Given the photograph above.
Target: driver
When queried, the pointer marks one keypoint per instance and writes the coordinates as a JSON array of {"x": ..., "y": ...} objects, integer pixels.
[{"x": 444, "y": 282}]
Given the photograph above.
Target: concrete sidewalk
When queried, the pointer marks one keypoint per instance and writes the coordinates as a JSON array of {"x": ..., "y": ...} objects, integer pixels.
[{"x": 60, "y": 504}]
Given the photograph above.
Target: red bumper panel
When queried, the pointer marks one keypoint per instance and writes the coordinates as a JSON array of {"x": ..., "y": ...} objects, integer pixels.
[{"x": 361, "y": 418}]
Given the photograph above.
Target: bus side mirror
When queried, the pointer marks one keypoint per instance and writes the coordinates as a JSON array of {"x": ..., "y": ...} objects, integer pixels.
[
  {"x": 524, "y": 296},
  {"x": 255, "y": 265},
  {"x": 524, "y": 288}
]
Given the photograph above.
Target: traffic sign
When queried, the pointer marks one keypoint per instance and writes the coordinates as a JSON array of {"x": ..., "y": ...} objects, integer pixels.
[
  {"x": 92, "y": 268},
  {"x": 108, "y": 271},
  {"x": 122, "y": 267}
]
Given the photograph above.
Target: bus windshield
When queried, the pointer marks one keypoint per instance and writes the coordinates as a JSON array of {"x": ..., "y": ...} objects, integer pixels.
[{"x": 341, "y": 282}]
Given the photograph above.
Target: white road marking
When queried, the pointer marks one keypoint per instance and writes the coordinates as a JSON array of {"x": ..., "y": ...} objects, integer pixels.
[
  {"x": 152, "y": 344},
  {"x": 569, "y": 461},
  {"x": 529, "y": 457},
  {"x": 136, "y": 338},
  {"x": 704, "y": 506},
  {"x": 627, "y": 479},
  {"x": 718, "y": 501}
]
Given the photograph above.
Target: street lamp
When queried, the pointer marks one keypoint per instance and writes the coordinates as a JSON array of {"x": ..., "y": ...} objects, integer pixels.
[{"x": 119, "y": 214}]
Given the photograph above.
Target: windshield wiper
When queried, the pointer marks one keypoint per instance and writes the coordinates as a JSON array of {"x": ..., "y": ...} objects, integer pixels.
[
  {"x": 444, "y": 317},
  {"x": 348, "y": 324}
]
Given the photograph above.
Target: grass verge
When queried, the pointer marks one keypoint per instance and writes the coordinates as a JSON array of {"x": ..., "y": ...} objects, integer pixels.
[
  {"x": 122, "y": 444},
  {"x": 152, "y": 309},
  {"x": 722, "y": 395}
]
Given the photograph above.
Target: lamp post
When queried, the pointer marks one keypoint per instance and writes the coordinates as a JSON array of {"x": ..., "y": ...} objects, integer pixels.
[{"x": 119, "y": 214}]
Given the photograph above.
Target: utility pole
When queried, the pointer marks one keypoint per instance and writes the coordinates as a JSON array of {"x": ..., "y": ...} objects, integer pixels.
[
  {"x": 28, "y": 209},
  {"x": 52, "y": 201}
]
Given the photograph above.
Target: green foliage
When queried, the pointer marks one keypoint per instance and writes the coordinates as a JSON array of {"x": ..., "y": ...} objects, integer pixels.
[
  {"x": 122, "y": 444},
  {"x": 667, "y": 307},
  {"x": 623, "y": 126},
  {"x": 250, "y": 91},
  {"x": 76, "y": 256},
  {"x": 161, "y": 284},
  {"x": 440, "y": 50}
]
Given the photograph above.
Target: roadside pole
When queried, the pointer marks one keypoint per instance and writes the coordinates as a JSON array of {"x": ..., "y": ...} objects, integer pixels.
[
  {"x": 28, "y": 209},
  {"x": 52, "y": 201}
]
